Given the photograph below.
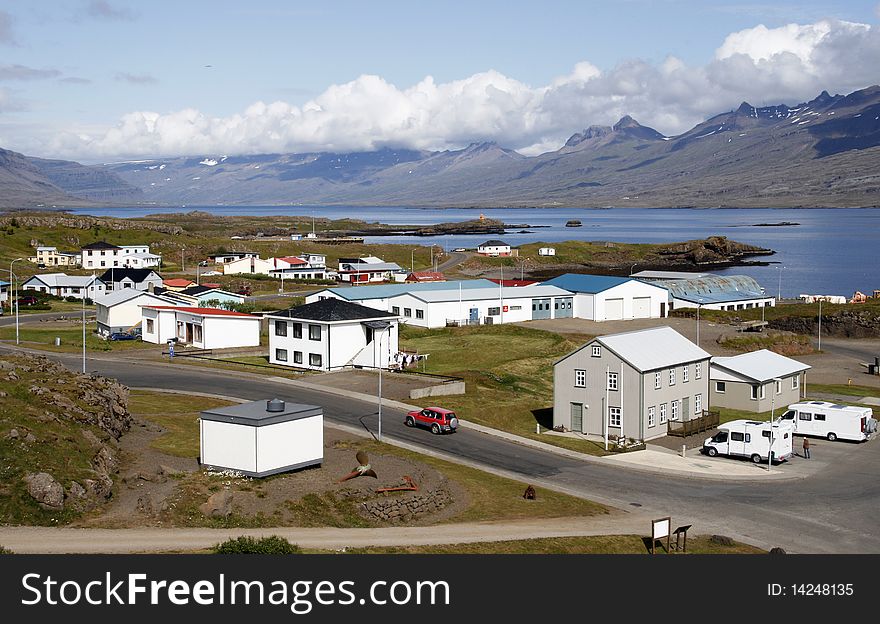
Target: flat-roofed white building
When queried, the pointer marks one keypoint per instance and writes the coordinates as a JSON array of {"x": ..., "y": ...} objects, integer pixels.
[
  {"x": 608, "y": 298},
  {"x": 203, "y": 328}
]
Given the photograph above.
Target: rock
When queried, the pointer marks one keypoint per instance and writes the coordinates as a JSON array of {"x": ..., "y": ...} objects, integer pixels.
[
  {"x": 218, "y": 505},
  {"x": 12, "y": 435},
  {"x": 168, "y": 470},
  {"x": 721, "y": 540},
  {"x": 30, "y": 438},
  {"x": 100, "y": 488},
  {"x": 91, "y": 438},
  {"x": 777, "y": 551},
  {"x": 104, "y": 462},
  {"x": 76, "y": 490},
  {"x": 145, "y": 505},
  {"x": 44, "y": 489}
]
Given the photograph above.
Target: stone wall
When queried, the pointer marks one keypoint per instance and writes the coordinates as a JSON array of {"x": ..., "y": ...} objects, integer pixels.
[
  {"x": 455, "y": 387},
  {"x": 402, "y": 507}
]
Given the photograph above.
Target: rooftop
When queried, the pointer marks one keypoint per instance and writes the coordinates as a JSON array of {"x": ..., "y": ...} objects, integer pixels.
[
  {"x": 62, "y": 280},
  {"x": 178, "y": 282},
  {"x": 493, "y": 293},
  {"x": 202, "y": 311},
  {"x": 257, "y": 413},
  {"x": 100, "y": 245},
  {"x": 126, "y": 294},
  {"x": 668, "y": 275},
  {"x": 333, "y": 310},
  {"x": 426, "y": 276},
  {"x": 649, "y": 349},
  {"x": 135, "y": 275},
  {"x": 494, "y": 243},
  {"x": 761, "y": 366},
  {"x": 368, "y": 267},
  {"x": 715, "y": 288},
  {"x": 383, "y": 291},
  {"x": 584, "y": 283}
]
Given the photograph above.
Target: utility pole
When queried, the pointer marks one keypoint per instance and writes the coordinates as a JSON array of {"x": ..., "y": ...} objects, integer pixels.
[
  {"x": 779, "y": 289},
  {"x": 15, "y": 287},
  {"x": 84, "y": 293},
  {"x": 820, "y": 325},
  {"x": 182, "y": 261}
]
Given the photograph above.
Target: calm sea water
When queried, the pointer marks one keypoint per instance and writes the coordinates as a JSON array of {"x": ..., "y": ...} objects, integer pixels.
[{"x": 831, "y": 251}]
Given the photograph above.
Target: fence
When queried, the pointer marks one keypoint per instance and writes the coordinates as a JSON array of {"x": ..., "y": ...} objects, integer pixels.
[{"x": 682, "y": 429}]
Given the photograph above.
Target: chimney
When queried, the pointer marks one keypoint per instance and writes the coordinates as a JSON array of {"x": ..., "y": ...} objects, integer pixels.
[{"x": 275, "y": 405}]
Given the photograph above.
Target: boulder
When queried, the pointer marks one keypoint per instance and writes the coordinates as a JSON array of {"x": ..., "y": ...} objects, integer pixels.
[
  {"x": 721, "y": 540},
  {"x": 44, "y": 489},
  {"x": 13, "y": 434},
  {"x": 76, "y": 490},
  {"x": 218, "y": 505}
]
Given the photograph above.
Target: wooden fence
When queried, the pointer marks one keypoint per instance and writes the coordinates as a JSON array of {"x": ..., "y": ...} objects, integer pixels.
[{"x": 682, "y": 429}]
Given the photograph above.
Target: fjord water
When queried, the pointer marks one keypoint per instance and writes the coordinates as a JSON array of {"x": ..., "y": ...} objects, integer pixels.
[{"x": 831, "y": 251}]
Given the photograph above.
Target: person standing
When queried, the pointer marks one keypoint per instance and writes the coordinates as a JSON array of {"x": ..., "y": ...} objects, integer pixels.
[{"x": 806, "y": 448}]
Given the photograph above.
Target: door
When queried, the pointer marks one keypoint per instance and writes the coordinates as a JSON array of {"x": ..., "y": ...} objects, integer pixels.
[
  {"x": 613, "y": 309},
  {"x": 641, "y": 307},
  {"x": 540, "y": 309},
  {"x": 577, "y": 417},
  {"x": 721, "y": 442},
  {"x": 805, "y": 423},
  {"x": 738, "y": 441},
  {"x": 662, "y": 309},
  {"x": 685, "y": 408},
  {"x": 563, "y": 307},
  {"x": 474, "y": 318}
]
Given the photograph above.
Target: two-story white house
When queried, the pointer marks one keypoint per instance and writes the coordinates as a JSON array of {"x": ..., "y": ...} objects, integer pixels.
[
  {"x": 631, "y": 384},
  {"x": 493, "y": 248},
  {"x": 332, "y": 333},
  {"x": 51, "y": 257},
  {"x": 103, "y": 255},
  {"x": 138, "y": 279}
]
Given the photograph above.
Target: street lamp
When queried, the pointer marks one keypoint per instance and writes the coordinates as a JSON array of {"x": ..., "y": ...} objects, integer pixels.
[
  {"x": 698, "y": 324},
  {"x": 379, "y": 326},
  {"x": 776, "y": 384},
  {"x": 820, "y": 325},
  {"x": 632, "y": 268},
  {"x": 83, "y": 294},
  {"x": 779, "y": 289},
  {"x": 15, "y": 287}
]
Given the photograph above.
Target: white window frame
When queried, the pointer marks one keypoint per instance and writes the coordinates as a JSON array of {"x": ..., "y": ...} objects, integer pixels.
[
  {"x": 672, "y": 376},
  {"x": 698, "y": 370},
  {"x": 685, "y": 373},
  {"x": 663, "y": 416},
  {"x": 675, "y": 410},
  {"x": 796, "y": 382},
  {"x": 719, "y": 391},
  {"x": 652, "y": 413},
  {"x": 615, "y": 417},
  {"x": 580, "y": 378},
  {"x": 778, "y": 386},
  {"x": 658, "y": 380},
  {"x": 698, "y": 404},
  {"x": 611, "y": 383},
  {"x": 278, "y": 353},
  {"x": 596, "y": 351}
]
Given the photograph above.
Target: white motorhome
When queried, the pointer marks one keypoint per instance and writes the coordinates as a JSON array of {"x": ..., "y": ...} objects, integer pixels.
[
  {"x": 831, "y": 420},
  {"x": 752, "y": 439}
]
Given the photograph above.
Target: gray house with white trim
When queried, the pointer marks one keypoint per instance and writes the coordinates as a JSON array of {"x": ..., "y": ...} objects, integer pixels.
[
  {"x": 757, "y": 381},
  {"x": 631, "y": 384}
]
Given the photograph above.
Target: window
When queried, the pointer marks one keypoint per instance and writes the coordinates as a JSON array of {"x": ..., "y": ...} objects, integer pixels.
[
  {"x": 795, "y": 382},
  {"x": 612, "y": 381},
  {"x": 675, "y": 410},
  {"x": 395, "y": 310},
  {"x": 805, "y": 416},
  {"x": 671, "y": 376},
  {"x": 281, "y": 355},
  {"x": 663, "y": 413},
  {"x": 658, "y": 380},
  {"x": 420, "y": 314},
  {"x": 197, "y": 333},
  {"x": 314, "y": 359},
  {"x": 297, "y": 357},
  {"x": 281, "y": 329},
  {"x": 516, "y": 307},
  {"x": 407, "y": 311},
  {"x": 297, "y": 330},
  {"x": 820, "y": 417},
  {"x": 580, "y": 379},
  {"x": 766, "y": 434},
  {"x": 779, "y": 386},
  {"x": 698, "y": 404},
  {"x": 685, "y": 373},
  {"x": 736, "y": 436},
  {"x": 494, "y": 311},
  {"x": 756, "y": 389},
  {"x": 651, "y": 413},
  {"x": 597, "y": 351},
  {"x": 698, "y": 370},
  {"x": 613, "y": 416},
  {"x": 720, "y": 387},
  {"x": 314, "y": 332},
  {"x": 150, "y": 326}
]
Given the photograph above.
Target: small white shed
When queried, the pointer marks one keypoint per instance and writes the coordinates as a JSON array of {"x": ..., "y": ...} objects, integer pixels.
[
  {"x": 547, "y": 251},
  {"x": 262, "y": 438}
]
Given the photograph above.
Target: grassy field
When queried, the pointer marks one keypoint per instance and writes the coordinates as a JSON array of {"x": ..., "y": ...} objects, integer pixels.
[
  {"x": 592, "y": 545},
  {"x": 854, "y": 390},
  {"x": 806, "y": 310},
  {"x": 491, "y": 497},
  {"x": 784, "y": 344},
  {"x": 508, "y": 371},
  {"x": 43, "y": 336}
]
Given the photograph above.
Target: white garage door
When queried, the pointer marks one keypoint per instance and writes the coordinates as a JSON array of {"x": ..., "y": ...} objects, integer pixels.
[
  {"x": 641, "y": 307},
  {"x": 613, "y": 309}
]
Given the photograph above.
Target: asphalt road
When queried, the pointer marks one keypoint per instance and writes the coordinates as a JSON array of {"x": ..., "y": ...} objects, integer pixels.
[{"x": 833, "y": 511}]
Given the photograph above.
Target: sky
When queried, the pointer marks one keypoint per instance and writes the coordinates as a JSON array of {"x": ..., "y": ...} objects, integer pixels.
[{"x": 107, "y": 80}]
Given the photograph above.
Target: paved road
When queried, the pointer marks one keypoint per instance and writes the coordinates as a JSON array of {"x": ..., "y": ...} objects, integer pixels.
[
  {"x": 455, "y": 258},
  {"x": 9, "y": 319},
  {"x": 833, "y": 511},
  {"x": 864, "y": 350}
]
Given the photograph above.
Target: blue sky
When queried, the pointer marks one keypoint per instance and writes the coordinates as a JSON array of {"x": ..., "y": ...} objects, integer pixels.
[{"x": 111, "y": 79}]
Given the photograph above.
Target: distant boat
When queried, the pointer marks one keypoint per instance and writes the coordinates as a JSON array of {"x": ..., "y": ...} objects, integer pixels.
[{"x": 573, "y": 223}]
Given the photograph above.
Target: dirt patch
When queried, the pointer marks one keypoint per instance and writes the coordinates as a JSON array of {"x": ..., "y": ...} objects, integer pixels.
[{"x": 157, "y": 489}]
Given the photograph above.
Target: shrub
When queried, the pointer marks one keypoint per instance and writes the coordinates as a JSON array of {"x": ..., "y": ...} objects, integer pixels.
[
  {"x": 5, "y": 551},
  {"x": 272, "y": 545},
  {"x": 71, "y": 299}
]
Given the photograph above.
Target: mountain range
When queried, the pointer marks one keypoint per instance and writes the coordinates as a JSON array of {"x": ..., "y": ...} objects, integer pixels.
[{"x": 825, "y": 152}]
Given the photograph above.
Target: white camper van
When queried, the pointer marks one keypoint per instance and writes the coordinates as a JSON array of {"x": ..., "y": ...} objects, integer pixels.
[
  {"x": 751, "y": 438},
  {"x": 830, "y": 420}
]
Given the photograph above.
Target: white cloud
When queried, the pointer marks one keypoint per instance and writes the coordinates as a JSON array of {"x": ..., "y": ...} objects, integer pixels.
[{"x": 762, "y": 65}]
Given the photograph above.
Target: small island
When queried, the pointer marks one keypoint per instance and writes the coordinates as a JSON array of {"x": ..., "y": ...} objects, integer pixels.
[{"x": 573, "y": 223}]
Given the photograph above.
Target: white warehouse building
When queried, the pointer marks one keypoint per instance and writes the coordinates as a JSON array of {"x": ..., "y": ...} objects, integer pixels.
[{"x": 607, "y": 298}]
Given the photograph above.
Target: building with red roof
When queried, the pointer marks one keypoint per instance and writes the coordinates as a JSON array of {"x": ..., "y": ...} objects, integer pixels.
[{"x": 419, "y": 277}]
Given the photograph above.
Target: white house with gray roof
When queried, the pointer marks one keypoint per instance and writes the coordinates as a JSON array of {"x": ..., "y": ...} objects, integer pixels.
[
  {"x": 631, "y": 384},
  {"x": 63, "y": 285},
  {"x": 332, "y": 333},
  {"x": 120, "y": 310},
  {"x": 757, "y": 381}
]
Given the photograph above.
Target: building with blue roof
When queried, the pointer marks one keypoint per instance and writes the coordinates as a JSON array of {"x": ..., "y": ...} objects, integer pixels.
[
  {"x": 609, "y": 298},
  {"x": 716, "y": 292}
]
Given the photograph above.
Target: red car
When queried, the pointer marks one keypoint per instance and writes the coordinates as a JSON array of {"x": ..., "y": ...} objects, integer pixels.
[{"x": 437, "y": 419}]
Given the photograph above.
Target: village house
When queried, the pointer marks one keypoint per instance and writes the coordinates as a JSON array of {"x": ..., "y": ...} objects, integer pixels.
[
  {"x": 138, "y": 279},
  {"x": 606, "y": 298},
  {"x": 306, "y": 266},
  {"x": 369, "y": 269},
  {"x": 251, "y": 264},
  {"x": 332, "y": 333},
  {"x": 120, "y": 310},
  {"x": 51, "y": 257},
  {"x": 631, "y": 384},
  {"x": 494, "y": 248},
  {"x": 63, "y": 285},
  {"x": 205, "y": 296},
  {"x": 176, "y": 284},
  {"x": 103, "y": 255},
  {"x": 231, "y": 256},
  {"x": 757, "y": 381},
  {"x": 203, "y": 328},
  {"x": 420, "y": 277}
]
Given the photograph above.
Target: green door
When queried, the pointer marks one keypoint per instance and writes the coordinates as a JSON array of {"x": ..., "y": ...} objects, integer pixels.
[{"x": 577, "y": 417}]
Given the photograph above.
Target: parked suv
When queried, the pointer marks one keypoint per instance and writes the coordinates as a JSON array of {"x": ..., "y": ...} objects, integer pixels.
[{"x": 437, "y": 419}]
